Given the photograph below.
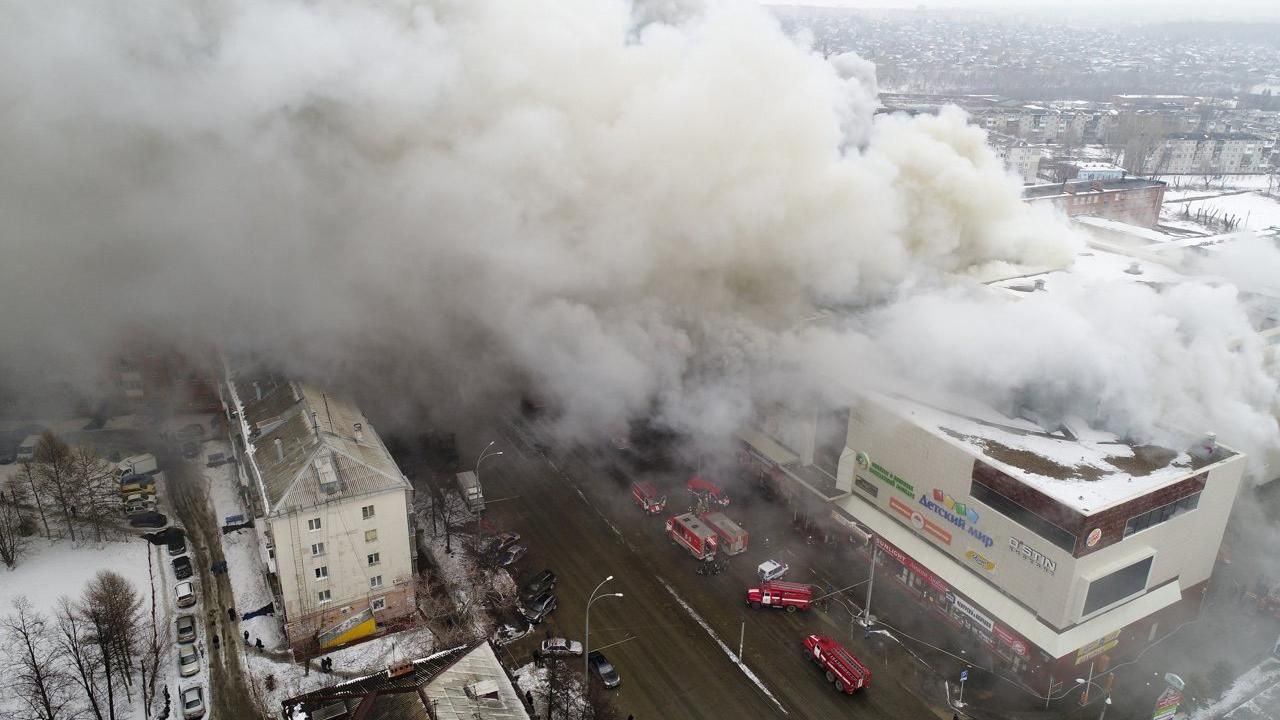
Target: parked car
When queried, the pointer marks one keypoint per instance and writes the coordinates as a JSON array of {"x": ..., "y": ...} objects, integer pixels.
[
  {"x": 148, "y": 520},
  {"x": 188, "y": 660},
  {"x": 538, "y": 584},
  {"x": 177, "y": 545},
  {"x": 508, "y": 557},
  {"x": 537, "y": 609},
  {"x": 182, "y": 567},
  {"x": 216, "y": 459},
  {"x": 771, "y": 570},
  {"x": 186, "y": 625},
  {"x": 185, "y": 593},
  {"x": 603, "y": 669},
  {"x": 560, "y": 646},
  {"x": 137, "y": 503},
  {"x": 192, "y": 702},
  {"x": 504, "y": 541}
]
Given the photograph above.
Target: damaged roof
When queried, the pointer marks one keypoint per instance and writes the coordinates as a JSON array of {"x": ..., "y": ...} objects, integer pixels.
[
  {"x": 1085, "y": 469},
  {"x": 462, "y": 683},
  {"x": 309, "y": 447}
]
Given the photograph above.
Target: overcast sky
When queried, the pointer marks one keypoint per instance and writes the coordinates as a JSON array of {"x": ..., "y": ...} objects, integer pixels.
[{"x": 1229, "y": 10}]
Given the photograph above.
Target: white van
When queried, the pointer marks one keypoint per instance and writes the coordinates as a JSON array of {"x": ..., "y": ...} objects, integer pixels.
[{"x": 27, "y": 450}]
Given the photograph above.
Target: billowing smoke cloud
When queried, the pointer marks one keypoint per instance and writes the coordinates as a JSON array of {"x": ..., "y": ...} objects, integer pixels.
[{"x": 611, "y": 204}]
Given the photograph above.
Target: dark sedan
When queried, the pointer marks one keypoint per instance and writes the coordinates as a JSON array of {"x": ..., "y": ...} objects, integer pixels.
[
  {"x": 603, "y": 669},
  {"x": 182, "y": 567}
]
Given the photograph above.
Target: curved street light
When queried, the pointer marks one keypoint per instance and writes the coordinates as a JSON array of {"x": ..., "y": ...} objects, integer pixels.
[
  {"x": 586, "y": 635},
  {"x": 484, "y": 455}
]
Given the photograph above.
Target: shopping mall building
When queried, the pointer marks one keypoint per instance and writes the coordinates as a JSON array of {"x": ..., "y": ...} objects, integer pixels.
[{"x": 1059, "y": 549}]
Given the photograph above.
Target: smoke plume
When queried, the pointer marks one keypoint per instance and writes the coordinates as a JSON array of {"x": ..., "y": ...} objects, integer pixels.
[{"x": 454, "y": 201}]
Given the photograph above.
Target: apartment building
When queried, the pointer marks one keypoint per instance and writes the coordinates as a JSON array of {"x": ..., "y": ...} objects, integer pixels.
[
  {"x": 335, "y": 509},
  {"x": 1216, "y": 153}
]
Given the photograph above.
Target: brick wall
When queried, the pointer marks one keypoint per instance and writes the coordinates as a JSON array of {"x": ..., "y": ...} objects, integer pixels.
[
  {"x": 1111, "y": 522},
  {"x": 1028, "y": 497}
]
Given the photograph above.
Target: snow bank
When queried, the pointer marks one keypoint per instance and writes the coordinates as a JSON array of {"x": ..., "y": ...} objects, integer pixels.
[{"x": 1256, "y": 681}]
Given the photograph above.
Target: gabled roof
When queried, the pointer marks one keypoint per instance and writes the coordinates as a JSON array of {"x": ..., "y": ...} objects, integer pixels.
[
  {"x": 309, "y": 448},
  {"x": 461, "y": 683}
]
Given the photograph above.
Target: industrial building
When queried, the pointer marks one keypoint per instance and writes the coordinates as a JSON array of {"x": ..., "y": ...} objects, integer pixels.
[{"x": 1127, "y": 199}]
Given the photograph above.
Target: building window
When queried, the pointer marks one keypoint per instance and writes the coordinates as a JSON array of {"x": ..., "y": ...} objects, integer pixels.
[
  {"x": 322, "y": 572},
  {"x": 375, "y": 581},
  {"x": 317, "y": 549},
  {"x": 323, "y": 596},
  {"x": 865, "y": 486},
  {"x": 370, "y": 535},
  {"x": 367, "y": 511},
  {"x": 1117, "y": 586},
  {"x": 313, "y": 524},
  {"x": 374, "y": 559},
  {"x": 378, "y": 604},
  {"x": 1023, "y": 516},
  {"x": 1155, "y": 516}
]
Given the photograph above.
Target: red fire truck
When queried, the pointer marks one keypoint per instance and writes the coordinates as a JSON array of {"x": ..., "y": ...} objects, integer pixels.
[
  {"x": 844, "y": 671},
  {"x": 733, "y": 539},
  {"x": 687, "y": 530},
  {"x": 789, "y": 595},
  {"x": 648, "y": 497},
  {"x": 700, "y": 486}
]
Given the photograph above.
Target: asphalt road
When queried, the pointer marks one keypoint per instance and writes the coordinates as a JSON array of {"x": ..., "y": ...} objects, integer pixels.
[
  {"x": 226, "y": 693},
  {"x": 578, "y": 520}
]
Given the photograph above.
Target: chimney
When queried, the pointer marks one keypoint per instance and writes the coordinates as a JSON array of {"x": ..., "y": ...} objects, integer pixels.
[
  {"x": 279, "y": 451},
  {"x": 1040, "y": 284},
  {"x": 297, "y": 394},
  {"x": 257, "y": 389},
  {"x": 359, "y": 433},
  {"x": 1134, "y": 269}
]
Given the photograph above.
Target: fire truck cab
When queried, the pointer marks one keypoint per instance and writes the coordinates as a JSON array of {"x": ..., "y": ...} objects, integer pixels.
[
  {"x": 702, "y": 487},
  {"x": 788, "y": 595},
  {"x": 648, "y": 498},
  {"x": 844, "y": 671}
]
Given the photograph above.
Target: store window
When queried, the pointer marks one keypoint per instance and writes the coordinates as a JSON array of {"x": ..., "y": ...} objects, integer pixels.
[{"x": 1117, "y": 586}]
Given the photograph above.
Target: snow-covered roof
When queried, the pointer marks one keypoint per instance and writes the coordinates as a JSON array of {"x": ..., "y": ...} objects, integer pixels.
[
  {"x": 305, "y": 447},
  {"x": 1082, "y": 468}
]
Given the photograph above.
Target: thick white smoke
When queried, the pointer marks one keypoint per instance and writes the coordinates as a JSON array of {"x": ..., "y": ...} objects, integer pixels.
[{"x": 612, "y": 204}]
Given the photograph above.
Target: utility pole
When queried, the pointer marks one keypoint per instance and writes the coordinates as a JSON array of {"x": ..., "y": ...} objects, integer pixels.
[{"x": 871, "y": 583}]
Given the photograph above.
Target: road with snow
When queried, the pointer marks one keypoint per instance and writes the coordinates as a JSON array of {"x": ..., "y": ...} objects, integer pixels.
[
  {"x": 674, "y": 634},
  {"x": 227, "y": 693}
]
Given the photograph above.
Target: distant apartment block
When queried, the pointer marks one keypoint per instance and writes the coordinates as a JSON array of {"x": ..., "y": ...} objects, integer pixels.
[
  {"x": 1132, "y": 200},
  {"x": 1021, "y": 157},
  {"x": 334, "y": 507},
  {"x": 1217, "y": 153}
]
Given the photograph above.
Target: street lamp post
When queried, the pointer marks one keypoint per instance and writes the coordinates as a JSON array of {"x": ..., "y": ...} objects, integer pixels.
[
  {"x": 586, "y": 634},
  {"x": 1090, "y": 682},
  {"x": 871, "y": 583},
  {"x": 484, "y": 455}
]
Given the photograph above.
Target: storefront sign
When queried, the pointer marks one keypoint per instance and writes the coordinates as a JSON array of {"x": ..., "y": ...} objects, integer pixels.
[
  {"x": 920, "y": 522},
  {"x": 978, "y": 559},
  {"x": 1033, "y": 556},
  {"x": 1014, "y": 642},
  {"x": 1094, "y": 536},
  {"x": 972, "y": 613},
  {"x": 893, "y": 481},
  {"x": 1097, "y": 647},
  {"x": 909, "y": 563},
  {"x": 1167, "y": 704},
  {"x": 956, "y": 513}
]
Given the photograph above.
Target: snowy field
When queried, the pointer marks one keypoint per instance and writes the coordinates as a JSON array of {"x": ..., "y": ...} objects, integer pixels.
[
  {"x": 1254, "y": 210},
  {"x": 1195, "y": 184},
  {"x": 52, "y": 570}
]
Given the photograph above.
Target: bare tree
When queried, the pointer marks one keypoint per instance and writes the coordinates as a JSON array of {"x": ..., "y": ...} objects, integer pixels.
[
  {"x": 14, "y": 532},
  {"x": 97, "y": 489},
  {"x": 34, "y": 675},
  {"x": 110, "y": 606},
  {"x": 78, "y": 652},
  {"x": 29, "y": 474},
  {"x": 54, "y": 470}
]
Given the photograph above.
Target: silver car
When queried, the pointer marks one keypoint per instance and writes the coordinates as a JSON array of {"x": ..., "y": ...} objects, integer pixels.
[
  {"x": 192, "y": 702},
  {"x": 185, "y": 594},
  {"x": 188, "y": 660}
]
